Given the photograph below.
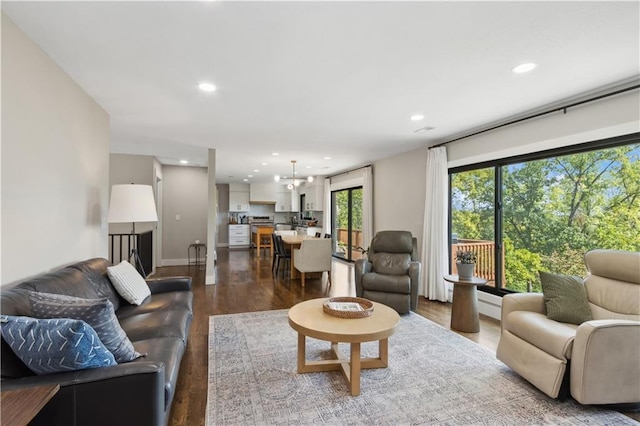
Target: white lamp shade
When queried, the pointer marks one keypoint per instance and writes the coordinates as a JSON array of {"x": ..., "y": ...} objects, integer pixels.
[{"x": 132, "y": 203}]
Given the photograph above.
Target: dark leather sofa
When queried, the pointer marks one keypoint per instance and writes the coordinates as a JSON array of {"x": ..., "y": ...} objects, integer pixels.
[{"x": 139, "y": 392}]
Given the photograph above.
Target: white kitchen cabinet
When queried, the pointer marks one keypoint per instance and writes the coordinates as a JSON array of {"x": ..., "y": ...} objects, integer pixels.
[
  {"x": 287, "y": 200},
  {"x": 239, "y": 236},
  {"x": 314, "y": 196},
  {"x": 238, "y": 197},
  {"x": 313, "y": 230},
  {"x": 262, "y": 193}
]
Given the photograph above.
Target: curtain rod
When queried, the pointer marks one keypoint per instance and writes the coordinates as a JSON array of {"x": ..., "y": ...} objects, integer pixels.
[
  {"x": 347, "y": 172},
  {"x": 552, "y": 110}
]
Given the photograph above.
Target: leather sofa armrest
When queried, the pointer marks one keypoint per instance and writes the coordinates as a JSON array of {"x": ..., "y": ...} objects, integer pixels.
[
  {"x": 604, "y": 362},
  {"x": 533, "y": 302},
  {"x": 124, "y": 394},
  {"x": 415, "y": 272},
  {"x": 164, "y": 285},
  {"x": 362, "y": 266}
]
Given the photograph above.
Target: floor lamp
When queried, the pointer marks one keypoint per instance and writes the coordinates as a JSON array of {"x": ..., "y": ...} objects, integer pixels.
[{"x": 132, "y": 203}]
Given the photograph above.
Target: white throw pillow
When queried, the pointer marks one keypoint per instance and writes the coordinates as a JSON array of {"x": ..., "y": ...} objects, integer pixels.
[{"x": 128, "y": 282}]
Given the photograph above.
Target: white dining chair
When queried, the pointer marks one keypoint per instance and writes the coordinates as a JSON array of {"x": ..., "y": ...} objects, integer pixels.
[{"x": 314, "y": 255}]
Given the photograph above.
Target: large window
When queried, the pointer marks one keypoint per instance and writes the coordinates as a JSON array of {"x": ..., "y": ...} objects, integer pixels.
[
  {"x": 544, "y": 211},
  {"x": 346, "y": 223}
]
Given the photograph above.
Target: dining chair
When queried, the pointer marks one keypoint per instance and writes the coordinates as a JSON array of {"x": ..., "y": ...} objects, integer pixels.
[
  {"x": 276, "y": 253},
  {"x": 314, "y": 255},
  {"x": 282, "y": 253},
  {"x": 327, "y": 236},
  {"x": 318, "y": 235}
]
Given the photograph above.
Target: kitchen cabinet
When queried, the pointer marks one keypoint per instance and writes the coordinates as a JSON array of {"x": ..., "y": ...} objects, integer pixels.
[
  {"x": 314, "y": 196},
  {"x": 262, "y": 193},
  {"x": 239, "y": 236},
  {"x": 238, "y": 197},
  {"x": 287, "y": 200},
  {"x": 313, "y": 230}
]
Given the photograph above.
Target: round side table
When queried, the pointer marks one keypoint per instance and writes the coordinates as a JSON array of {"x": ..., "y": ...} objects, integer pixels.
[{"x": 464, "y": 310}]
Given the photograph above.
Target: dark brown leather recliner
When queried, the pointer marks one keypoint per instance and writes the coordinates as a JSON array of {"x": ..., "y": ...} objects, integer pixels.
[{"x": 391, "y": 274}]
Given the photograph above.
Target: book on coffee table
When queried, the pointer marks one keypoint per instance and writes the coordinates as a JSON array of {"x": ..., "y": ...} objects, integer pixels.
[{"x": 345, "y": 306}]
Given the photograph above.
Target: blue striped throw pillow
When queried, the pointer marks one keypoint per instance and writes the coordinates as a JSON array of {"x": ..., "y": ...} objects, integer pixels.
[{"x": 54, "y": 345}]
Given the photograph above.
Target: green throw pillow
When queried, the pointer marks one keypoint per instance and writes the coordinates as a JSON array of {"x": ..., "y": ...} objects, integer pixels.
[{"x": 565, "y": 298}]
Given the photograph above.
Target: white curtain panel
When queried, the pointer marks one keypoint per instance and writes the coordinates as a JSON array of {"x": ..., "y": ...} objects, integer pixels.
[
  {"x": 435, "y": 253},
  {"x": 326, "y": 216},
  {"x": 367, "y": 206}
]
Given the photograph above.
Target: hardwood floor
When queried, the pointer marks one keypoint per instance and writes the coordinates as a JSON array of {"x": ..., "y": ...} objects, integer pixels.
[{"x": 246, "y": 284}]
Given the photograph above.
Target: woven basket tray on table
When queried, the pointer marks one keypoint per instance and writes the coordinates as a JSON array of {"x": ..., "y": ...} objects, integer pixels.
[{"x": 366, "y": 305}]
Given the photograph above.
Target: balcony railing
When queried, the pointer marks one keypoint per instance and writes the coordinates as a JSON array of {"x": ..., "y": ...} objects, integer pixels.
[{"x": 485, "y": 263}]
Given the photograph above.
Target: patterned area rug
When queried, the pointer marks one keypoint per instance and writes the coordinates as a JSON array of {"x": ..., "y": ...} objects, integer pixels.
[{"x": 434, "y": 377}]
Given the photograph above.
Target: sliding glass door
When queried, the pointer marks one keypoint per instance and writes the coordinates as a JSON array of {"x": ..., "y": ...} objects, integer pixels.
[{"x": 346, "y": 223}]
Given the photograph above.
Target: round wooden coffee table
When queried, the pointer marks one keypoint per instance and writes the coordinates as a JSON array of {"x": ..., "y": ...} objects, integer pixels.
[{"x": 308, "y": 319}]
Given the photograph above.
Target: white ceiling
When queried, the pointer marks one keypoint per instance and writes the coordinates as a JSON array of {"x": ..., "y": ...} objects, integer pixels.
[{"x": 316, "y": 79}]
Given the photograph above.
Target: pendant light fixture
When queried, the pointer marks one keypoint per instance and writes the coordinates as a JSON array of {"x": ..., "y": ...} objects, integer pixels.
[{"x": 293, "y": 182}]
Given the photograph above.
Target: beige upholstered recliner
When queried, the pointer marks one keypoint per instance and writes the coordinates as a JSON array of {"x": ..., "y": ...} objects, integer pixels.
[
  {"x": 391, "y": 274},
  {"x": 600, "y": 358}
]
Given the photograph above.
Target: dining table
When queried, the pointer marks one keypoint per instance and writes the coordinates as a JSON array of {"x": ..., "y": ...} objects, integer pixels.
[{"x": 292, "y": 242}]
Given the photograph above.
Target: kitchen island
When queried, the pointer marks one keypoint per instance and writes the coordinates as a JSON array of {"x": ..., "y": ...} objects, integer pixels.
[{"x": 261, "y": 238}]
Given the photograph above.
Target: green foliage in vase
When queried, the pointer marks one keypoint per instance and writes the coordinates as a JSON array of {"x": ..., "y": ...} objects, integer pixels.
[{"x": 466, "y": 256}]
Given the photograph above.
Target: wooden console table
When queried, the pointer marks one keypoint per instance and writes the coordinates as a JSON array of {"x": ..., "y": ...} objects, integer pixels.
[
  {"x": 20, "y": 406},
  {"x": 464, "y": 310}
]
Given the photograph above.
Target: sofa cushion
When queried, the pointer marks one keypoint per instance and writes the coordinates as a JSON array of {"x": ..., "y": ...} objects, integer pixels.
[
  {"x": 169, "y": 351},
  {"x": 149, "y": 325},
  {"x": 54, "y": 345},
  {"x": 391, "y": 263},
  {"x": 565, "y": 298},
  {"x": 128, "y": 282},
  {"x": 176, "y": 300},
  {"x": 552, "y": 337},
  {"x": 98, "y": 313}
]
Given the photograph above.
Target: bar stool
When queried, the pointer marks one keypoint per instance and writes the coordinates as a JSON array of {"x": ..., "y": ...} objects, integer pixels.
[{"x": 197, "y": 248}]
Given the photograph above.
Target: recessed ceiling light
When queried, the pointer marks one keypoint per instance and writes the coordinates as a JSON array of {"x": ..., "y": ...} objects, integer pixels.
[
  {"x": 264, "y": 164},
  {"x": 275, "y": 153},
  {"x": 308, "y": 167},
  {"x": 184, "y": 162},
  {"x": 522, "y": 68},
  {"x": 207, "y": 87},
  {"x": 249, "y": 175},
  {"x": 327, "y": 158},
  {"x": 245, "y": 180},
  {"x": 417, "y": 117},
  {"x": 256, "y": 171}
]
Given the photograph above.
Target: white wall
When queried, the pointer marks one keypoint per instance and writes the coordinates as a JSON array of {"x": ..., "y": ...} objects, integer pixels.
[
  {"x": 185, "y": 192},
  {"x": 55, "y": 164},
  {"x": 399, "y": 182},
  {"x": 399, "y": 193},
  {"x": 608, "y": 117}
]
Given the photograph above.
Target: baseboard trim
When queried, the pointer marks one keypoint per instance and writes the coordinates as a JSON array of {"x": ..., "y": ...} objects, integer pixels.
[
  {"x": 176, "y": 262},
  {"x": 489, "y": 304}
]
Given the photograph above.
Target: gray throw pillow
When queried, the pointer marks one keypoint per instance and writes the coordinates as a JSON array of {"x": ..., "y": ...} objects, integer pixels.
[
  {"x": 565, "y": 298},
  {"x": 98, "y": 313}
]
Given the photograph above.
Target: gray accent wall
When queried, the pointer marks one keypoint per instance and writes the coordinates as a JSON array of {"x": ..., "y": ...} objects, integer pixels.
[
  {"x": 55, "y": 164},
  {"x": 185, "y": 194}
]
